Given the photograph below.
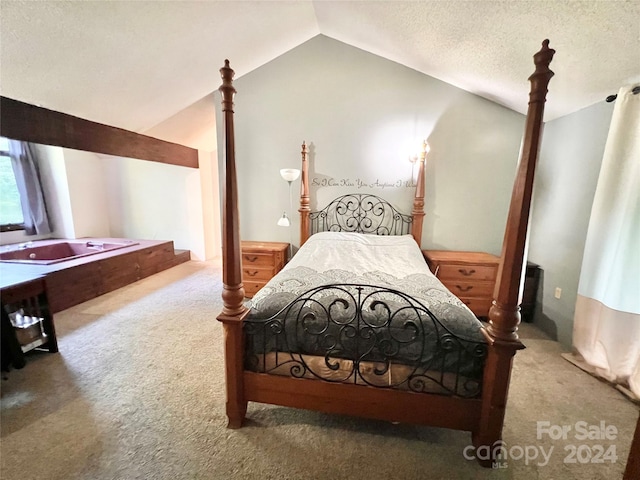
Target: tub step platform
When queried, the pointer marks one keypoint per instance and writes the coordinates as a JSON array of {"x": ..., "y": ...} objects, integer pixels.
[
  {"x": 77, "y": 280},
  {"x": 181, "y": 256},
  {"x": 74, "y": 282}
]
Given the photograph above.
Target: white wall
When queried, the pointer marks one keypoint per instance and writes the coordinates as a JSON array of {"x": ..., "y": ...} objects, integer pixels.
[
  {"x": 195, "y": 127},
  {"x": 53, "y": 174},
  {"x": 208, "y": 162},
  {"x": 363, "y": 115},
  {"x": 87, "y": 194},
  {"x": 566, "y": 178},
  {"x": 154, "y": 201}
]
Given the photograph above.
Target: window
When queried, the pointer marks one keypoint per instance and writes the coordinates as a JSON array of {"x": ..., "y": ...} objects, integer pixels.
[{"x": 10, "y": 208}]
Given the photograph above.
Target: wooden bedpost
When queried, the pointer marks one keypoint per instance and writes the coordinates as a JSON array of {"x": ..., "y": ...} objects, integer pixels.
[
  {"x": 504, "y": 314},
  {"x": 632, "y": 470},
  {"x": 418, "y": 200},
  {"x": 304, "y": 209},
  {"x": 233, "y": 310}
]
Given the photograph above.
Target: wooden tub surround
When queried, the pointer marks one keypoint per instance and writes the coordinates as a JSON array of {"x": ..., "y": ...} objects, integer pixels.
[
  {"x": 74, "y": 281},
  {"x": 482, "y": 416}
]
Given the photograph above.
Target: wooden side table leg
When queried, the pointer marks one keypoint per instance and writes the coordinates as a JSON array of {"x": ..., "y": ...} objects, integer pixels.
[
  {"x": 12, "y": 355},
  {"x": 47, "y": 323}
]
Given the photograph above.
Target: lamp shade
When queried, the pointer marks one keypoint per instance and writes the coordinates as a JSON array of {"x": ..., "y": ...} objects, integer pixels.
[
  {"x": 283, "y": 221},
  {"x": 290, "y": 174}
]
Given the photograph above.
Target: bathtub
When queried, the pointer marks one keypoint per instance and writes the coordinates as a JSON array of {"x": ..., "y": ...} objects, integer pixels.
[{"x": 47, "y": 252}]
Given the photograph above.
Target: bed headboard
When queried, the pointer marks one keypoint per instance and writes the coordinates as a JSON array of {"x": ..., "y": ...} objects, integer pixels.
[{"x": 361, "y": 212}]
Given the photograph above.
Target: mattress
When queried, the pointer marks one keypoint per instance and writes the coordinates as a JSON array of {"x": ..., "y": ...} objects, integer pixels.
[{"x": 364, "y": 308}]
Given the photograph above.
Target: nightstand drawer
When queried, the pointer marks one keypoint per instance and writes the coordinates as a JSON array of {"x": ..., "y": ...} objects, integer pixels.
[
  {"x": 251, "y": 288},
  {"x": 253, "y": 274},
  {"x": 469, "y": 272},
  {"x": 479, "y": 306},
  {"x": 257, "y": 259},
  {"x": 461, "y": 288}
]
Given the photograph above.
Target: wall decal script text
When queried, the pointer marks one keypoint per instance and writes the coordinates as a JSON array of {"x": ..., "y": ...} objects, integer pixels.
[{"x": 358, "y": 183}]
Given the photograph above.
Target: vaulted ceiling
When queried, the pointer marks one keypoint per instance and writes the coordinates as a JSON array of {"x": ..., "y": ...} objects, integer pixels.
[{"x": 133, "y": 64}]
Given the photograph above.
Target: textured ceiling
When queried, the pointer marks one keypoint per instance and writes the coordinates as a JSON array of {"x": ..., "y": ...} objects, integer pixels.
[{"x": 133, "y": 64}]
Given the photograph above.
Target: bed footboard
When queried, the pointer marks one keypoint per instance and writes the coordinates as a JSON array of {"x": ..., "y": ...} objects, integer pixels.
[{"x": 367, "y": 335}]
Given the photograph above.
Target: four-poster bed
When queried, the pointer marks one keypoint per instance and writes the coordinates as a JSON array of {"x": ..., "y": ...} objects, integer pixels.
[{"x": 320, "y": 339}]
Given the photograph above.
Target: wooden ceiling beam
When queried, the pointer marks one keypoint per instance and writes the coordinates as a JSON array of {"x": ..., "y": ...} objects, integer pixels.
[{"x": 30, "y": 123}]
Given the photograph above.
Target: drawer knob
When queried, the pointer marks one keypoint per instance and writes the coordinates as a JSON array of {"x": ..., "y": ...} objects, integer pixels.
[
  {"x": 466, "y": 272},
  {"x": 250, "y": 259},
  {"x": 252, "y": 273},
  {"x": 464, "y": 289}
]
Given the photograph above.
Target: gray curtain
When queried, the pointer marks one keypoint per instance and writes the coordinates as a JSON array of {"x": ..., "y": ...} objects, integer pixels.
[{"x": 25, "y": 168}]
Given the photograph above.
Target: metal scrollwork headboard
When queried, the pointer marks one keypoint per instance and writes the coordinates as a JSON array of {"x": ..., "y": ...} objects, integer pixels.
[{"x": 360, "y": 213}]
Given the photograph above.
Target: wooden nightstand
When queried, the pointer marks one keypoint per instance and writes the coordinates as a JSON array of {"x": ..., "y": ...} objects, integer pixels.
[
  {"x": 260, "y": 262},
  {"x": 471, "y": 276}
]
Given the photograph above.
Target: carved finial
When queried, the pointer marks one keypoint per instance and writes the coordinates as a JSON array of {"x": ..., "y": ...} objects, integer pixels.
[
  {"x": 544, "y": 56},
  {"x": 227, "y": 88},
  {"x": 540, "y": 78},
  {"x": 226, "y": 73}
]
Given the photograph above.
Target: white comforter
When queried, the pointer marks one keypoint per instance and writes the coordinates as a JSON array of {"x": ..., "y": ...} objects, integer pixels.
[{"x": 398, "y": 256}]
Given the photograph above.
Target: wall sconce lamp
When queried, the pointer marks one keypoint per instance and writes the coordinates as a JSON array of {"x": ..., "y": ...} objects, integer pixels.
[
  {"x": 426, "y": 148},
  {"x": 422, "y": 157}
]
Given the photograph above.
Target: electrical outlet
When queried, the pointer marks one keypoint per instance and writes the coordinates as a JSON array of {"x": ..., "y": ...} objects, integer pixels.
[{"x": 558, "y": 293}]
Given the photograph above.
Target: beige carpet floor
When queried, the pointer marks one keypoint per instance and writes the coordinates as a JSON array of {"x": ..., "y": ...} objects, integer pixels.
[{"x": 137, "y": 392}]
